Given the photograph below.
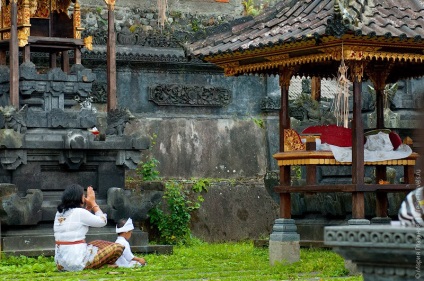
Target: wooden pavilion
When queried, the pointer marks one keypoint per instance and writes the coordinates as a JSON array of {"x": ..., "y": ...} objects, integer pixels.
[
  {"x": 53, "y": 27},
  {"x": 38, "y": 26},
  {"x": 379, "y": 40}
]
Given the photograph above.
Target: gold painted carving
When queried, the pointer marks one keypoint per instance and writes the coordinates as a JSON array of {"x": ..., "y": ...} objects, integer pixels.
[
  {"x": 6, "y": 35},
  {"x": 277, "y": 57},
  {"x": 283, "y": 62},
  {"x": 110, "y": 4},
  {"x": 88, "y": 43},
  {"x": 43, "y": 9},
  {"x": 26, "y": 13},
  {"x": 230, "y": 69},
  {"x": 23, "y": 34},
  {"x": 356, "y": 70},
  {"x": 33, "y": 7},
  {"x": 378, "y": 75},
  {"x": 78, "y": 33},
  {"x": 286, "y": 73},
  {"x": 77, "y": 21}
]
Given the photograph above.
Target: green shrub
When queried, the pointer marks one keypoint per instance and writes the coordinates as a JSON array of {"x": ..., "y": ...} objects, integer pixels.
[
  {"x": 148, "y": 169},
  {"x": 173, "y": 219}
]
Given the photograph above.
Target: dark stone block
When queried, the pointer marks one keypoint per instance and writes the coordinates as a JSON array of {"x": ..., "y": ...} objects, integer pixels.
[
  {"x": 22, "y": 210},
  {"x": 134, "y": 203}
]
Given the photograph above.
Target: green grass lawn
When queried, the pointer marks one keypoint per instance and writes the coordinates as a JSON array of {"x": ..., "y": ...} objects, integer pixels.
[{"x": 225, "y": 261}]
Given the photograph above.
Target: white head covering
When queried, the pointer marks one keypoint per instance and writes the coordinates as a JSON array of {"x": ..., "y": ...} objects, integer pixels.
[{"x": 127, "y": 227}]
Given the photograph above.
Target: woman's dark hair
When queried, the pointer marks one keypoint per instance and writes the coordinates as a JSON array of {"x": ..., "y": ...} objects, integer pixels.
[{"x": 71, "y": 198}]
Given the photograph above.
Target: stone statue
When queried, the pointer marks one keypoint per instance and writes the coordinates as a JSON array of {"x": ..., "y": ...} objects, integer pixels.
[
  {"x": 309, "y": 109},
  {"x": 391, "y": 119},
  {"x": 117, "y": 119},
  {"x": 14, "y": 119}
]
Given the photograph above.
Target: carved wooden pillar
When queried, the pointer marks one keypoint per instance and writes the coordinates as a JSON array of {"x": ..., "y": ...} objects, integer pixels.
[
  {"x": 316, "y": 88},
  {"x": 53, "y": 58},
  {"x": 111, "y": 58},
  {"x": 77, "y": 31},
  {"x": 286, "y": 74},
  {"x": 14, "y": 54},
  {"x": 24, "y": 31},
  {"x": 65, "y": 62},
  {"x": 358, "y": 171},
  {"x": 378, "y": 75}
]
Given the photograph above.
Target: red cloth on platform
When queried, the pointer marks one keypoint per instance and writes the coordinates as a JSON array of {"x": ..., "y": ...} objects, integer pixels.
[{"x": 332, "y": 134}]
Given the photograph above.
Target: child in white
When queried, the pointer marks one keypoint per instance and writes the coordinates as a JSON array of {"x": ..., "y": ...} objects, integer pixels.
[{"x": 124, "y": 229}]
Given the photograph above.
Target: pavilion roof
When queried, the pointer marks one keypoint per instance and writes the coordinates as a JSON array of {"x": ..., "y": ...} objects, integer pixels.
[{"x": 294, "y": 27}]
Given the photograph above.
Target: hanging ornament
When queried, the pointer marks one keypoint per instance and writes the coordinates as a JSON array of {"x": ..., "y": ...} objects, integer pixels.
[
  {"x": 162, "y": 7},
  {"x": 341, "y": 100}
]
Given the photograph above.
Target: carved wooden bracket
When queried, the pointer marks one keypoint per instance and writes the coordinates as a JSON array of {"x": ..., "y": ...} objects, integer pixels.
[
  {"x": 378, "y": 75},
  {"x": 357, "y": 70},
  {"x": 286, "y": 73}
]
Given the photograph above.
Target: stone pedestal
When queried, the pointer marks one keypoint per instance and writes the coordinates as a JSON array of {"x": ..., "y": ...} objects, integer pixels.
[
  {"x": 284, "y": 242},
  {"x": 381, "y": 220},
  {"x": 358, "y": 222},
  {"x": 381, "y": 252}
]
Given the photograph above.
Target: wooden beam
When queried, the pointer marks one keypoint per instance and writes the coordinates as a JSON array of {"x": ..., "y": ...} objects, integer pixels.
[
  {"x": 14, "y": 55},
  {"x": 382, "y": 188},
  {"x": 111, "y": 60}
]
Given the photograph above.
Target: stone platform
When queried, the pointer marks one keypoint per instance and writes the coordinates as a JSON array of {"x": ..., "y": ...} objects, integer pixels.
[
  {"x": 381, "y": 252},
  {"x": 39, "y": 240}
]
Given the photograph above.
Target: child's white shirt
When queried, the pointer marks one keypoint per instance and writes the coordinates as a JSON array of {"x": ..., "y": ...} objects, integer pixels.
[{"x": 125, "y": 260}]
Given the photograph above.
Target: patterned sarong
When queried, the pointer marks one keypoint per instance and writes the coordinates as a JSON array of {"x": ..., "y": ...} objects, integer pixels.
[{"x": 108, "y": 253}]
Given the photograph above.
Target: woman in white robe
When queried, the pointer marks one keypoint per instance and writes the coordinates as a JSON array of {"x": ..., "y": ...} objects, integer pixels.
[{"x": 71, "y": 224}]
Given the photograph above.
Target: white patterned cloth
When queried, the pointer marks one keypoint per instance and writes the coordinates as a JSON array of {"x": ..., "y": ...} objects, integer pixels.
[
  {"x": 125, "y": 260},
  {"x": 377, "y": 148},
  {"x": 71, "y": 226}
]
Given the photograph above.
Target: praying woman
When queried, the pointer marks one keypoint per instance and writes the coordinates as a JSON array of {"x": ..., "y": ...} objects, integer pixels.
[{"x": 71, "y": 224}]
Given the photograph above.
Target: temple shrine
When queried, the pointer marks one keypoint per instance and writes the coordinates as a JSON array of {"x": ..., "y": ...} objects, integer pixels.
[{"x": 378, "y": 41}]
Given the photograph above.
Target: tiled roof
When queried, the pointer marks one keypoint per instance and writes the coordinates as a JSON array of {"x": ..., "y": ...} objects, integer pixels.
[{"x": 290, "y": 21}]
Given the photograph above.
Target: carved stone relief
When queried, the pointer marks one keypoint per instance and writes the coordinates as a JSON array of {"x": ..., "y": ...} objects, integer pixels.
[{"x": 183, "y": 95}]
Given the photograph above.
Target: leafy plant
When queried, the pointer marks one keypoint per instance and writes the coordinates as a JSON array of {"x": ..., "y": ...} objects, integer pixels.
[
  {"x": 249, "y": 8},
  {"x": 297, "y": 170},
  {"x": 201, "y": 185},
  {"x": 173, "y": 220},
  {"x": 195, "y": 24},
  {"x": 148, "y": 169},
  {"x": 259, "y": 122}
]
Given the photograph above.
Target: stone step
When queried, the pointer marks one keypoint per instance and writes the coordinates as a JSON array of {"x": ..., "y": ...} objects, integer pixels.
[
  {"x": 40, "y": 240},
  {"x": 49, "y": 208}
]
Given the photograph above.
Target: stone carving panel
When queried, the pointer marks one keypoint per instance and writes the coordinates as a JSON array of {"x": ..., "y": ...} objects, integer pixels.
[
  {"x": 185, "y": 95},
  {"x": 17, "y": 210}
]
